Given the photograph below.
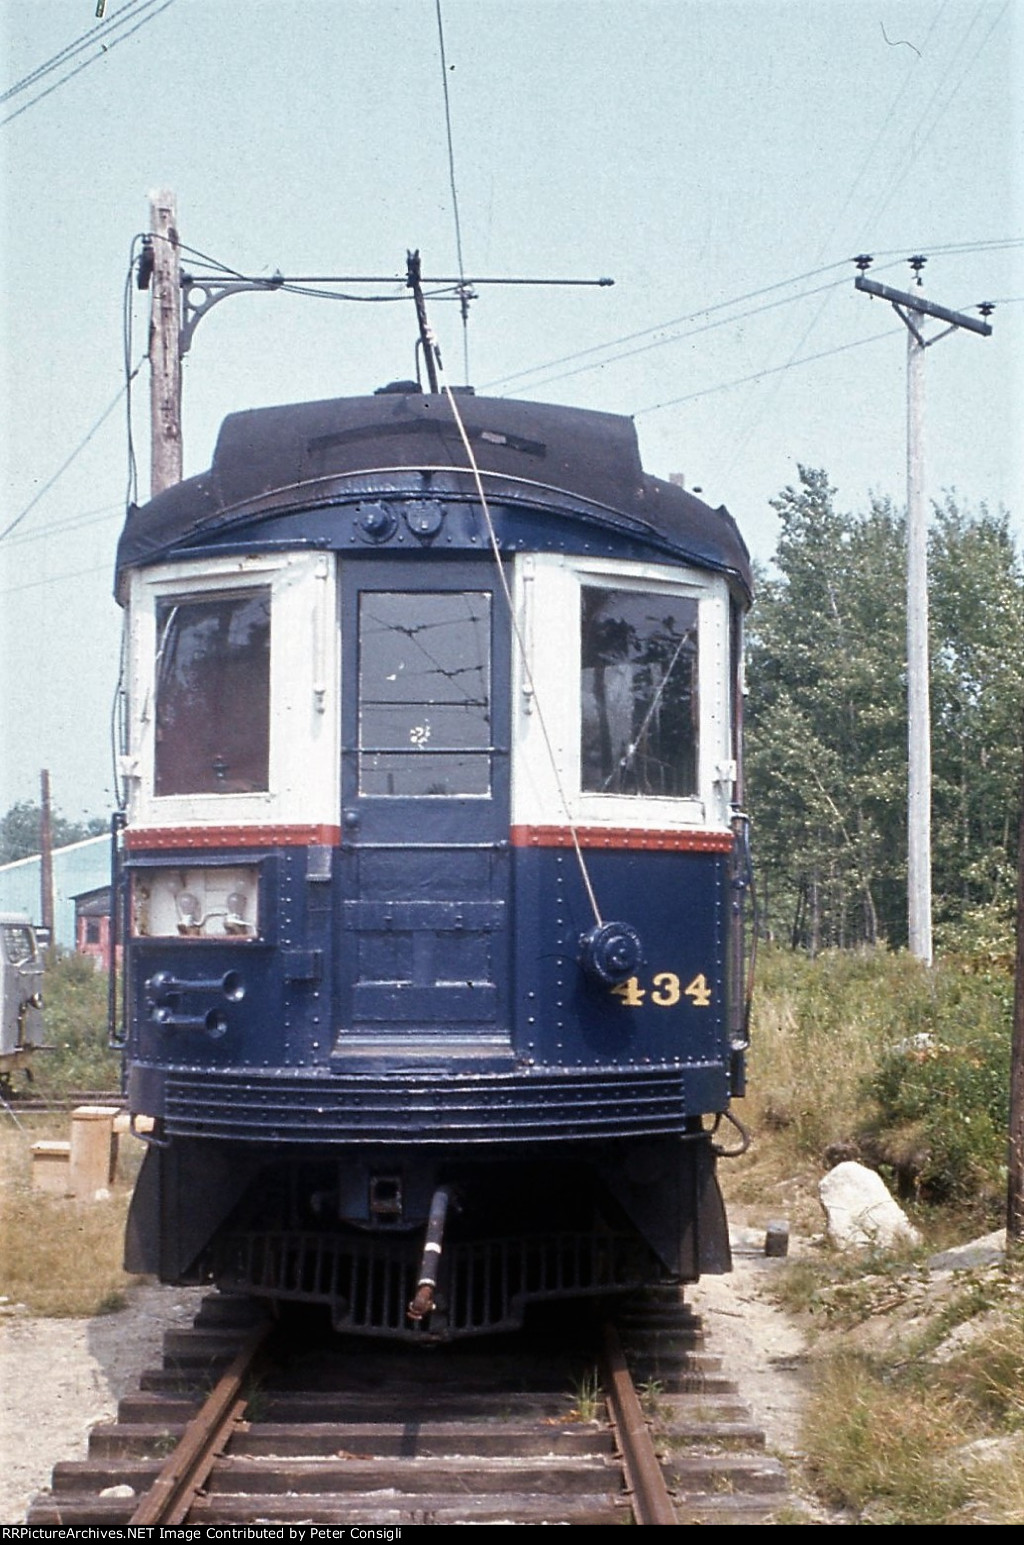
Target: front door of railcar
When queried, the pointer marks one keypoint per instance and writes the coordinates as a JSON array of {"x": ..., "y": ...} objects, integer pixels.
[{"x": 423, "y": 946}]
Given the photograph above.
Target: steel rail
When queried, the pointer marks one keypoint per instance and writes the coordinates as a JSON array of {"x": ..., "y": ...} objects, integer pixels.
[
  {"x": 645, "y": 1483},
  {"x": 173, "y": 1492}
]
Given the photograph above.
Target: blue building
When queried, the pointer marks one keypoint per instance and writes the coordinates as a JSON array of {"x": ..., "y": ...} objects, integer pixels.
[{"x": 81, "y": 866}]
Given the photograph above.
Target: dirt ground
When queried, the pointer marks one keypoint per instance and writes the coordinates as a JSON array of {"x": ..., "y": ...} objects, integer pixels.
[
  {"x": 44, "y": 1419},
  {"x": 100, "y": 1359}
]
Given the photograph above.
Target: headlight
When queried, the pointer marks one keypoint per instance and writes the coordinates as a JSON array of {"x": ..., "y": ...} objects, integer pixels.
[{"x": 208, "y": 903}]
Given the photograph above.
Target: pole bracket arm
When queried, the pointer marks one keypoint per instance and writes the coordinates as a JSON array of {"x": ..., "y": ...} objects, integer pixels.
[{"x": 199, "y": 296}]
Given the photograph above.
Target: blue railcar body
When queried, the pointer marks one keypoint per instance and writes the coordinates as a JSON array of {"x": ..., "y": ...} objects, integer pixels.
[{"x": 368, "y": 870}]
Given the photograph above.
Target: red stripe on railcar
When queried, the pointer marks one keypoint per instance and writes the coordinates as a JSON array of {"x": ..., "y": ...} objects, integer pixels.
[
  {"x": 622, "y": 837},
  {"x": 200, "y": 837}
]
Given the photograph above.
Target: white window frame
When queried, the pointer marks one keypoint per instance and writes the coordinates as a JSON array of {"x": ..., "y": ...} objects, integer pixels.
[
  {"x": 546, "y": 701},
  {"x": 303, "y": 770}
]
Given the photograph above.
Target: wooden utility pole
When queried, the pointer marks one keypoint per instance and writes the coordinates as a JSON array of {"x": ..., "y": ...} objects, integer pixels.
[
  {"x": 912, "y": 310},
  {"x": 1015, "y": 1163},
  {"x": 165, "y": 345},
  {"x": 46, "y": 855}
]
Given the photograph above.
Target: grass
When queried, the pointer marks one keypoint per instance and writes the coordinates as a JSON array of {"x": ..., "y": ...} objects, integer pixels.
[
  {"x": 872, "y": 1442},
  {"x": 60, "y": 1256},
  {"x": 587, "y": 1399},
  {"x": 917, "y": 1410}
]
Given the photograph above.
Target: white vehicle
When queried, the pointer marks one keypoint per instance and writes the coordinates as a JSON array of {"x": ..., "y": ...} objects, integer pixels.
[{"x": 21, "y": 992}]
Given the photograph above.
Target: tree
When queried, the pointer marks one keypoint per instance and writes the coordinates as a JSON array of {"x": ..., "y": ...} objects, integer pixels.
[
  {"x": 977, "y": 612},
  {"x": 827, "y": 716},
  {"x": 21, "y": 830}
]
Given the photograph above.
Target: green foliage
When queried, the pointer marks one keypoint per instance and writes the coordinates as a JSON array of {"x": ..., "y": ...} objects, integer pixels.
[
  {"x": 907, "y": 1067},
  {"x": 21, "y": 826},
  {"x": 75, "y": 1016},
  {"x": 826, "y": 743},
  {"x": 949, "y": 1089}
]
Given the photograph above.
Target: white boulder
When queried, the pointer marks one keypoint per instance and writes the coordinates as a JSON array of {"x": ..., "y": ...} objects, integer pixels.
[{"x": 860, "y": 1213}]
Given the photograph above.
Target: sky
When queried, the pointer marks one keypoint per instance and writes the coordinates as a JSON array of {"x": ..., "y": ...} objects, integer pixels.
[{"x": 723, "y": 161}]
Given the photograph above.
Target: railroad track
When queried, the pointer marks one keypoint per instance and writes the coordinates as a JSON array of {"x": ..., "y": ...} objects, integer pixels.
[
  {"x": 24, "y": 1103},
  {"x": 248, "y": 1423}
]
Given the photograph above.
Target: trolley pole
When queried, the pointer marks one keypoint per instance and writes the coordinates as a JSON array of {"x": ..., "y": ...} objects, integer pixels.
[
  {"x": 912, "y": 310},
  {"x": 165, "y": 345}
]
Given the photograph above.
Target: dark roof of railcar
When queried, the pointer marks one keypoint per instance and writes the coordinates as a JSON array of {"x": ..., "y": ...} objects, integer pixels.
[{"x": 269, "y": 460}]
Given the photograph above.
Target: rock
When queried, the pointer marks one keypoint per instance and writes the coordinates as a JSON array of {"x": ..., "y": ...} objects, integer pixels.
[
  {"x": 860, "y": 1213},
  {"x": 987, "y": 1251},
  {"x": 776, "y": 1238}
]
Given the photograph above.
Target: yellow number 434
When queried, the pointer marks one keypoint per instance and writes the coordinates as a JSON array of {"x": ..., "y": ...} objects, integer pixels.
[{"x": 665, "y": 991}]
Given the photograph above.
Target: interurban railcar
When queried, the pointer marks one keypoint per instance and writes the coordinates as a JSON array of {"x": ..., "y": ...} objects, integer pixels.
[{"x": 433, "y": 861}]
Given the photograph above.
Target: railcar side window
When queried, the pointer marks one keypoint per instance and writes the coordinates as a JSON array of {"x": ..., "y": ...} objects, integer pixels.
[
  {"x": 213, "y": 694},
  {"x": 639, "y": 693},
  {"x": 424, "y": 693}
]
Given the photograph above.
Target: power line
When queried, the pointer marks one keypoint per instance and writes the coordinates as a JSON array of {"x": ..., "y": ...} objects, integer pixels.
[
  {"x": 759, "y": 375},
  {"x": 917, "y": 145},
  {"x": 645, "y": 348},
  {"x": 64, "y": 465},
  {"x": 113, "y": 22},
  {"x": 896, "y": 253},
  {"x": 74, "y": 523},
  {"x": 56, "y": 579},
  {"x": 748, "y": 424},
  {"x": 104, "y": 49},
  {"x": 646, "y": 332}
]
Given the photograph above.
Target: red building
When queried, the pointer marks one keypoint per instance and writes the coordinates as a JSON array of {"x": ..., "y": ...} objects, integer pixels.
[{"x": 92, "y": 926}]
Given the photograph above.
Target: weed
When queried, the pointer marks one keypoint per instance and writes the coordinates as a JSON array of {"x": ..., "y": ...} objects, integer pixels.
[
  {"x": 653, "y": 1402},
  {"x": 587, "y": 1398},
  {"x": 75, "y": 1019}
]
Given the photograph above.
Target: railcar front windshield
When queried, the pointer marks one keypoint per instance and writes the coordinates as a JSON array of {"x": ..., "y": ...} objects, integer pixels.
[
  {"x": 213, "y": 694},
  {"x": 639, "y": 698},
  {"x": 424, "y": 693}
]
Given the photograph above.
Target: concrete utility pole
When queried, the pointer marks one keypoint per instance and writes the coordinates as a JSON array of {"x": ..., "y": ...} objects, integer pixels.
[
  {"x": 165, "y": 345},
  {"x": 912, "y": 310}
]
